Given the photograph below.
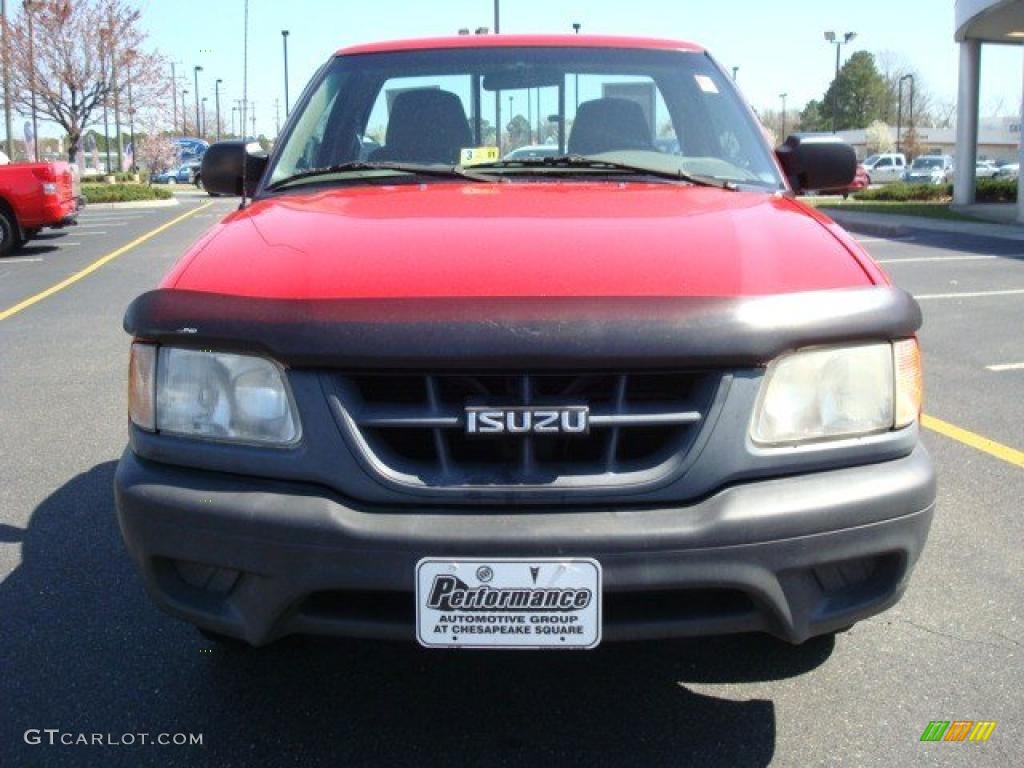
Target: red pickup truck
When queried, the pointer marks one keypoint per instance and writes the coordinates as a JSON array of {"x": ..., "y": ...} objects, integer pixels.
[
  {"x": 34, "y": 196},
  {"x": 612, "y": 393}
]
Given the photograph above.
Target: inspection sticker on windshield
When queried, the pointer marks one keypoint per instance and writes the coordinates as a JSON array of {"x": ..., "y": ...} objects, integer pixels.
[
  {"x": 478, "y": 155},
  {"x": 706, "y": 84},
  {"x": 504, "y": 603}
]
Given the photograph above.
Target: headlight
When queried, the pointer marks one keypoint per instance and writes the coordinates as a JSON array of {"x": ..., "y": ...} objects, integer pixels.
[
  {"x": 212, "y": 395},
  {"x": 838, "y": 392}
]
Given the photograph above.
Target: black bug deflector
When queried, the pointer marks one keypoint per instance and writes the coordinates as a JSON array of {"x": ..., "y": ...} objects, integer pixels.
[{"x": 523, "y": 333}]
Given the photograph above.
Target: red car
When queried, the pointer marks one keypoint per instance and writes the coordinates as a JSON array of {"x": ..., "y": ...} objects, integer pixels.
[
  {"x": 616, "y": 393},
  {"x": 34, "y": 196},
  {"x": 860, "y": 181}
]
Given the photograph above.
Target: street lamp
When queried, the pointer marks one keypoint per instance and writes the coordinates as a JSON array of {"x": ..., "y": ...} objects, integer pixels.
[
  {"x": 195, "y": 71},
  {"x": 29, "y": 6},
  {"x": 129, "y": 59},
  {"x": 899, "y": 109},
  {"x": 497, "y": 16},
  {"x": 105, "y": 33},
  {"x": 830, "y": 37},
  {"x": 216, "y": 97},
  {"x": 576, "y": 78},
  {"x": 184, "y": 113},
  {"x": 234, "y": 111},
  {"x": 734, "y": 71},
  {"x": 783, "y": 96},
  {"x": 284, "y": 37},
  {"x": 202, "y": 125}
]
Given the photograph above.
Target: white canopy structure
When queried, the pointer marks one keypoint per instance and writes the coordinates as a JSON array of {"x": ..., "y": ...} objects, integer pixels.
[{"x": 980, "y": 22}]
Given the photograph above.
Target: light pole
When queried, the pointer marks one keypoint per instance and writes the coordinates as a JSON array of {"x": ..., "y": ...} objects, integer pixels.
[
  {"x": 734, "y": 71},
  {"x": 234, "y": 111},
  {"x": 7, "y": 83},
  {"x": 284, "y": 37},
  {"x": 831, "y": 38},
  {"x": 174, "y": 95},
  {"x": 899, "y": 109},
  {"x": 245, "y": 65},
  {"x": 104, "y": 45},
  {"x": 216, "y": 98},
  {"x": 195, "y": 71},
  {"x": 497, "y": 16},
  {"x": 129, "y": 60},
  {"x": 29, "y": 6},
  {"x": 203, "y": 128},
  {"x": 576, "y": 26},
  {"x": 783, "y": 96},
  {"x": 184, "y": 113}
]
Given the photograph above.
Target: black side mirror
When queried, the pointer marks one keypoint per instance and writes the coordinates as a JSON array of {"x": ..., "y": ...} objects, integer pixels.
[
  {"x": 817, "y": 162},
  {"x": 227, "y": 162}
]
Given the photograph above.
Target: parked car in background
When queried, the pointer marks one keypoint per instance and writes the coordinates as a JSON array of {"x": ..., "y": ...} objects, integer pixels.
[
  {"x": 885, "y": 168},
  {"x": 860, "y": 181},
  {"x": 533, "y": 151},
  {"x": 34, "y": 196},
  {"x": 930, "y": 169},
  {"x": 1008, "y": 171},
  {"x": 166, "y": 176},
  {"x": 985, "y": 169},
  {"x": 187, "y": 173}
]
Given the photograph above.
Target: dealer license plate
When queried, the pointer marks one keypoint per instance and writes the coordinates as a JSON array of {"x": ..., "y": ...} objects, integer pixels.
[{"x": 504, "y": 603}]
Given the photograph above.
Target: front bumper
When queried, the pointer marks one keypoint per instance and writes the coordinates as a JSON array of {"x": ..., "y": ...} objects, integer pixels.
[{"x": 794, "y": 557}]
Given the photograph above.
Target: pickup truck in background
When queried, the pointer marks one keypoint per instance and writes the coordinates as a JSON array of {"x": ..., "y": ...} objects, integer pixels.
[{"x": 34, "y": 196}]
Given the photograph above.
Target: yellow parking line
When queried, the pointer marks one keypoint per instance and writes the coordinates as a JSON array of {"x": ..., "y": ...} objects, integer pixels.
[
  {"x": 97, "y": 264},
  {"x": 991, "y": 447}
]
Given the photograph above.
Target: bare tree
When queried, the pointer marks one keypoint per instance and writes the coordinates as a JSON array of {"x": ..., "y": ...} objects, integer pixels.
[
  {"x": 894, "y": 67},
  {"x": 87, "y": 53}
]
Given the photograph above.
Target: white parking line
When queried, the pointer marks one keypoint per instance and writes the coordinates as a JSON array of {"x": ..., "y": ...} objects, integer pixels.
[
  {"x": 883, "y": 239},
  {"x": 19, "y": 260},
  {"x": 1006, "y": 367},
  {"x": 928, "y": 259},
  {"x": 118, "y": 223},
  {"x": 92, "y": 233},
  {"x": 969, "y": 294}
]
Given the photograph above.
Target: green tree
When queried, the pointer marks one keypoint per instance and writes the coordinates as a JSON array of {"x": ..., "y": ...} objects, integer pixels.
[
  {"x": 811, "y": 118},
  {"x": 858, "y": 96}
]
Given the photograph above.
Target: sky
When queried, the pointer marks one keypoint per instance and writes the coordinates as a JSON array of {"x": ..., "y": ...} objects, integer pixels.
[{"x": 778, "y": 47}]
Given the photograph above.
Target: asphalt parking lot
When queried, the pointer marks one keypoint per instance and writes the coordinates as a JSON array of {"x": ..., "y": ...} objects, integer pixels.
[{"x": 83, "y": 650}]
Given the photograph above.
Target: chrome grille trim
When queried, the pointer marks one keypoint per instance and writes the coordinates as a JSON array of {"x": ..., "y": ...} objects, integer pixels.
[{"x": 407, "y": 429}]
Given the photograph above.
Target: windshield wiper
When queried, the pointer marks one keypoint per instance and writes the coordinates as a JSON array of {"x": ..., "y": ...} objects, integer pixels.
[
  {"x": 592, "y": 163},
  {"x": 416, "y": 169}
]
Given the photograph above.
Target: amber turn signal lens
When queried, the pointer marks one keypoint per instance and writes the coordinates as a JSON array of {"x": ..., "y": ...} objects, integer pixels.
[
  {"x": 909, "y": 381},
  {"x": 142, "y": 386}
]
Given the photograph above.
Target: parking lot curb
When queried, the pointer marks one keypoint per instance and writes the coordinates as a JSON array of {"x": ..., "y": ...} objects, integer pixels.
[
  {"x": 875, "y": 228},
  {"x": 904, "y": 226},
  {"x": 134, "y": 204}
]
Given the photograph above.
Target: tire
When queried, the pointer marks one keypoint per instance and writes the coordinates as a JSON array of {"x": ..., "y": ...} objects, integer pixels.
[
  {"x": 198, "y": 181},
  {"x": 224, "y": 642},
  {"x": 9, "y": 237}
]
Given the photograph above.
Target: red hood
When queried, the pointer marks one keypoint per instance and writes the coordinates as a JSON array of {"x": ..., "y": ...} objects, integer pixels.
[{"x": 542, "y": 239}]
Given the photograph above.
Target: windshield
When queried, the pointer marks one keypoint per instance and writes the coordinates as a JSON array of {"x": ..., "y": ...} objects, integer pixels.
[
  {"x": 673, "y": 111},
  {"x": 871, "y": 160},
  {"x": 924, "y": 163}
]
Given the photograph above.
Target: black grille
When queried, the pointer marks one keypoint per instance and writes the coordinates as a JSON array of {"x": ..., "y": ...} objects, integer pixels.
[{"x": 411, "y": 428}]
